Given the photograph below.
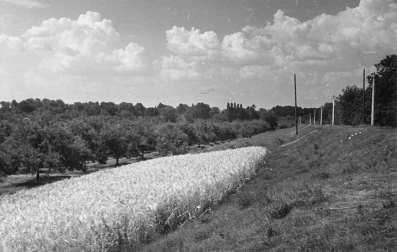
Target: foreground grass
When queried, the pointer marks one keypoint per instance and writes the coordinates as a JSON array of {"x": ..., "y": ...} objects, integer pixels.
[
  {"x": 122, "y": 208},
  {"x": 333, "y": 190}
]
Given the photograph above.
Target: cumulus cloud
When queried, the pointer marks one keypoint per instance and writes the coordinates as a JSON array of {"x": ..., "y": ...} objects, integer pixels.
[
  {"x": 176, "y": 68},
  {"x": 88, "y": 43},
  {"x": 192, "y": 42},
  {"x": 27, "y": 3},
  {"x": 337, "y": 44},
  {"x": 357, "y": 36},
  {"x": 59, "y": 49}
]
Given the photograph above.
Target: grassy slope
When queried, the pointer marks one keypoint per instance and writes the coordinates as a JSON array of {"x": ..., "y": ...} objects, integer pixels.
[{"x": 324, "y": 192}]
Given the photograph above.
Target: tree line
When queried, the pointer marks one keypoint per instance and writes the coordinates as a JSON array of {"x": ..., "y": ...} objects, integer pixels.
[
  {"x": 349, "y": 105},
  {"x": 37, "y": 134}
]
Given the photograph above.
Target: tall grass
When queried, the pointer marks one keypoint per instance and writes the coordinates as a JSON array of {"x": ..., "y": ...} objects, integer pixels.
[{"x": 117, "y": 208}]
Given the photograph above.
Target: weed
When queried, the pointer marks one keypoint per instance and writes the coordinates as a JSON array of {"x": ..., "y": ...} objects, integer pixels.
[
  {"x": 245, "y": 199},
  {"x": 321, "y": 175},
  {"x": 303, "y": 221},
  {"x": 201, "y": 235},
  {"x": 270, "y": 232},
  {"x": 206, "y": 218},
  {"x": 279, "y": 209},
  {"x": 349, "y": 168}
]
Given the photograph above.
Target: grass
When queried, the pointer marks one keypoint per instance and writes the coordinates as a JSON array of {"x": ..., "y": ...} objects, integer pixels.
[{"x": 333, "y": 190}]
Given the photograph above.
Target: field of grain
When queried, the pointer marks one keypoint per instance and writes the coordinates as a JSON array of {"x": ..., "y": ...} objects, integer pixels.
[{"x": 117, "y": 208}]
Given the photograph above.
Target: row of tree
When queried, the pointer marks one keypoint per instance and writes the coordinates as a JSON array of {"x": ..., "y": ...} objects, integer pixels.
[
  {"x": 236, "y": 111},
  {"x": 51, "y": 134},
  {"x": 349, "y": 105},
  {"x": 30, "y": 144}
]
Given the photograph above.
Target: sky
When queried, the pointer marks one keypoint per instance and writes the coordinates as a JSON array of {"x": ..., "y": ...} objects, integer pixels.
[{"x": 186, "y": 51}]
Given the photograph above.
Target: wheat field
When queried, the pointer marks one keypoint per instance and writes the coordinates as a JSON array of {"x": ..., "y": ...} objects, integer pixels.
[{"x": 103, "y": 210}]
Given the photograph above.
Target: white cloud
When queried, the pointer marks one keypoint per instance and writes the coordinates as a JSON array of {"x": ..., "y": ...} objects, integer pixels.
[
  {"x": 129, "y": 58},
  {"x": 176, "y": 68},
  {"x": 88, "y": 43},
  {"x": 341, "y": 43},
  {"x": 192, "y": 42},
  {"x": 256, "y": 71},
  {"x": 60, "y": 51},
  {"x": 27, "y": 3},
  {"x": 350, "y": 36}
]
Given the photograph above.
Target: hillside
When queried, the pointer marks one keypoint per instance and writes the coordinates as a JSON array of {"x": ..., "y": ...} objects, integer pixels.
[{"x": 332, "y": 190}]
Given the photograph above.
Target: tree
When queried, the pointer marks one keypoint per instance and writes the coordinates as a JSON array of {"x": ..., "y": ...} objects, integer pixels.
[
  {"x": 350, "y": 104},
  {"x": 385, "y": 91},
  {"x": 198, "y": 111},
  {"x": 10, "y": 159},
  {"x": 214, "y": 111},
  {"x": 79, "y": 154},
  {"x": 139, "y": 109},
  {"x": 167, "y": 113},
  {"x": 5, "y": 130},
  {"x": 190, "y": 132},
  {"x": 271, "y": 119},
  {"x": 37, "y": 134},
  {"x": 170, "y": 139},
  {"x": 29, "y": 141},
  {"x": 114, "y": 139},
  {"x": 205, "y": 132},
  {"x": 31, "y": 159},
  {"x": 109, "y": 108},
  {"x": 89, "y": 132},
  {"x": 182, "y": 108},
  {"x": 145, "y": 136}
]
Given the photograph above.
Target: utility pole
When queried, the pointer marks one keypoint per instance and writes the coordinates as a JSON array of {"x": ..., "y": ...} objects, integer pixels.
[
  {"x": 364, "y": 96},
  {"x": 296, "y": 118},
  {"x": 314, "y": 117},
  {"x": 333, "y": 111},
  {"x": 373, "y": 102},
  {"x": 321, "y": 116}
]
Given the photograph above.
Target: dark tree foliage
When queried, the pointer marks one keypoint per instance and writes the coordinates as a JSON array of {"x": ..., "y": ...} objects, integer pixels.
[
  {"x": 385, "y": 91},
  {"x": 349, "y": 107},
  {"x": 198, "y": 111},
  {"x": 350, "y": 102},
  {"x": 171, "y": 139},
  {"x": 113, "y": 136},
  {"x": 49, "y": 135},
  {"x": 236, "y": 111}
]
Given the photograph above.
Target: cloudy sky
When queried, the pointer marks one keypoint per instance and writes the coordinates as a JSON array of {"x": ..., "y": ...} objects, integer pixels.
[{"x": 187, "y": 51}]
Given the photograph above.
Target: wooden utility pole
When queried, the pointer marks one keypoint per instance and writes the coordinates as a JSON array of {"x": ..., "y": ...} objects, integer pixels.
[
  {"x": 333, "y": 111},
  {"x": 373, "y": 102},
  {"x": 321, "y": 116},
  {"x": 364, "y": 95},
  {"x": 314, "y": 117},
  {"x": 296, "y": 118}
]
